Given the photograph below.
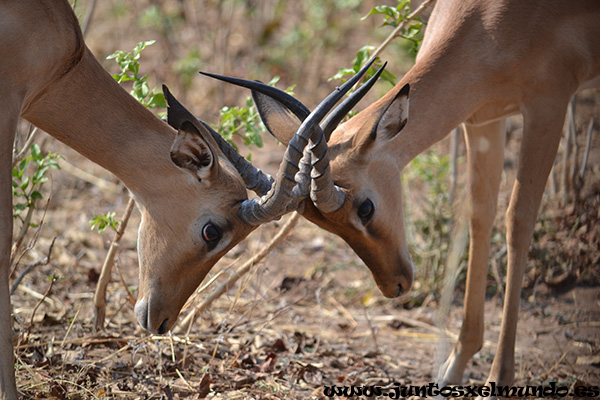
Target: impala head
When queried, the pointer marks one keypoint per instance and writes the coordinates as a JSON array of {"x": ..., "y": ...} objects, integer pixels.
[
  {"x": 371, "y": 218},
  {"x": 178, "y": 249},
  {"x": 356, "y": 192}
]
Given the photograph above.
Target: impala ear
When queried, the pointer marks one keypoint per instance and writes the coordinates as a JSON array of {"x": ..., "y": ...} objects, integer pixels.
[
  {"x": 385, "y": 126},
  {"x": 192, "y": 151},
  {"x": 394, "y": 116},
  {"x": 176, "y": 112},
  {"x": 280, "y": 121}
]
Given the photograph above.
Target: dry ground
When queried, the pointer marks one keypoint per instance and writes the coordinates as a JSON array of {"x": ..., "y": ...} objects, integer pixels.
[{"x": 310, "y": 315}]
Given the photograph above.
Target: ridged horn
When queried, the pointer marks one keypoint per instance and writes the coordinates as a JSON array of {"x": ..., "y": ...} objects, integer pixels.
[
  {"x": 290, "y": 187},
  {"x": 291, "y": 184}
]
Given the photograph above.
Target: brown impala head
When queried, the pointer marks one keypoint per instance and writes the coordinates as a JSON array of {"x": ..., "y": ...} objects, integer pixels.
[
  {"x": 369, "y": 216},
  {"x": 223, "y": 213},
  {"x": 371, "y": 219},
  {"x": 177, "y": 250}
]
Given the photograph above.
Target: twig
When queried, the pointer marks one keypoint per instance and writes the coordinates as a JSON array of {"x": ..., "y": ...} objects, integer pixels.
[
  {"x": 19, "y": 156},
  {"x": 496, "y": 272},
  {"x": 372, "y": 330},
  {"x": 21, "y": 235},
  {"x": 453, "y": 267},
  {"x": 30, "y": 267},
  {"x": 454, "y": 162},
  {"x": 100, "y": 295},
  {"x": 39, "y": 303},
  {"x": 587, "y": 149},
  {"x": 129, "y": 294},
  {"x": 574, "y": 167},
  {"x": 62, "y": 344},
  {"x": 566, "y": 155},
  {"x": 396, "y": 32},
  {"x": 218, "y": 292},
  {"x": 88, "y": 18},
  {"x": 24, "y": 229}
]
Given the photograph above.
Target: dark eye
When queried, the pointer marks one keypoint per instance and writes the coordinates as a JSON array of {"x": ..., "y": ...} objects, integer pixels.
[
  {"x": 366, "y": 210},
  {"x": 211, "y": 233}
]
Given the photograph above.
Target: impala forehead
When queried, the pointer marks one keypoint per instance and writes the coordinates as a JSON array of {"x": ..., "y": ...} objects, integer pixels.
[{"x": 375, "y": 174}]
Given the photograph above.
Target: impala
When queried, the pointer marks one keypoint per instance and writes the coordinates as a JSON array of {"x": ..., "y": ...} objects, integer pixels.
[
  {"x": 480, "y": 61},
  {"x": 189, "y": 184}
]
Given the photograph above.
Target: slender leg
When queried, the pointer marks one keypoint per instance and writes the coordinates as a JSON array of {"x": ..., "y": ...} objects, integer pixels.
[
  {"x": 485, "y": 150},
  {"x": 543, "y": 122},
  {"x": 8, "y": 390}
]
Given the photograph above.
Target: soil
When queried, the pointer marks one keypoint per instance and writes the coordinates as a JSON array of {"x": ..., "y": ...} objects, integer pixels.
[{"x": 309, "y": 316}]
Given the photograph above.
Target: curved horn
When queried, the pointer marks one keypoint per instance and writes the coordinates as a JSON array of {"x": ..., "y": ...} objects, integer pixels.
[
  {"x": 291, "y": 184},
  {"x": 338, "y": 114},
  {"x": 326, "y": 196},
  {"x": 295, "y": 106},
  {"x": 290, "y": 102},
  {"x": 254, "y": 178}
]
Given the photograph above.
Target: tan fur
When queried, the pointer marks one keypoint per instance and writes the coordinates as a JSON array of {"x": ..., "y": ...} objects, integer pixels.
[
  {"x": 49, "y": 77},
  {"x": 481, "y": 60}
]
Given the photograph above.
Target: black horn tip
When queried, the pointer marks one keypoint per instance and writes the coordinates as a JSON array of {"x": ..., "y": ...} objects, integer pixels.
[{"x": 209, "y": 74}]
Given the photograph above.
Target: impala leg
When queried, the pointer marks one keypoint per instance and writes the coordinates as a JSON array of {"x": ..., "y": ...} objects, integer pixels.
[
  {"x": 8, "y": 390},
  {"x": 485, "y": 158},
  {"x": 541, "y": 136}
]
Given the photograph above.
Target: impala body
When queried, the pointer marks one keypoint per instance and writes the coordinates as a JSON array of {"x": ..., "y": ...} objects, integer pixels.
[
  {"x": 187, "y": 191},
  {"x": 480, "y": 61}
]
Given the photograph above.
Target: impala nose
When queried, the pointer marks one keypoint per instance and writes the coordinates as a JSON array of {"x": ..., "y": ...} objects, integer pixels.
[
  {"x": 397, "y": 283},
  {"x": 142, "y": 312},
  {"x": 400, "y": 290},
  {"x": 162, "y": 329}
]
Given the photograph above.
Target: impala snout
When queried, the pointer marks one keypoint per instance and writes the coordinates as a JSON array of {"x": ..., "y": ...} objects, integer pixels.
[
  {"x": 396, "y": 282},
  {"x": 384, "y": 253},
  {"x": 152, "y": 320},
  {"x": 393, "y": 273}
]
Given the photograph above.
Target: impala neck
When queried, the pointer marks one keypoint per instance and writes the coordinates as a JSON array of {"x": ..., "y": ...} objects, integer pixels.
[
  {"x": 106, "y": 125},
  {"x": 434, "y": 109}
]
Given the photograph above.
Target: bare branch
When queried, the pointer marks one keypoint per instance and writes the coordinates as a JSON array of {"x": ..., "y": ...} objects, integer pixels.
[
  {"x": 587, "y": 149},
  {"x": 19, "y": 156},
  {"x": 100, "y": 295},
  {"x": 30, "y": 267},
  {"x": 396, "y": 32}
]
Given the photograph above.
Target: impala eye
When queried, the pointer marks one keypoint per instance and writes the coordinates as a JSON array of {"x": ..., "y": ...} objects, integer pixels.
[
  {"x": 211, "y": 233},
  {"x": 366, "y": 210}
]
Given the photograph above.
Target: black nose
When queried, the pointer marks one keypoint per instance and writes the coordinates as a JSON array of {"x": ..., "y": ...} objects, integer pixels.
[
  {"x": 400, "y": 291},
  {"x": 162, "y": 329}
]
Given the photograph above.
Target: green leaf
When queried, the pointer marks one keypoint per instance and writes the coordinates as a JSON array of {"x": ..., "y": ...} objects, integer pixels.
[
  {"x": 157, "y": 100},
  {"x": 24, "y": 183},
  {"x": 103, "y": 221},
  {"x": 141, "y": 46},
  {"x": 36, "y": 153}
]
